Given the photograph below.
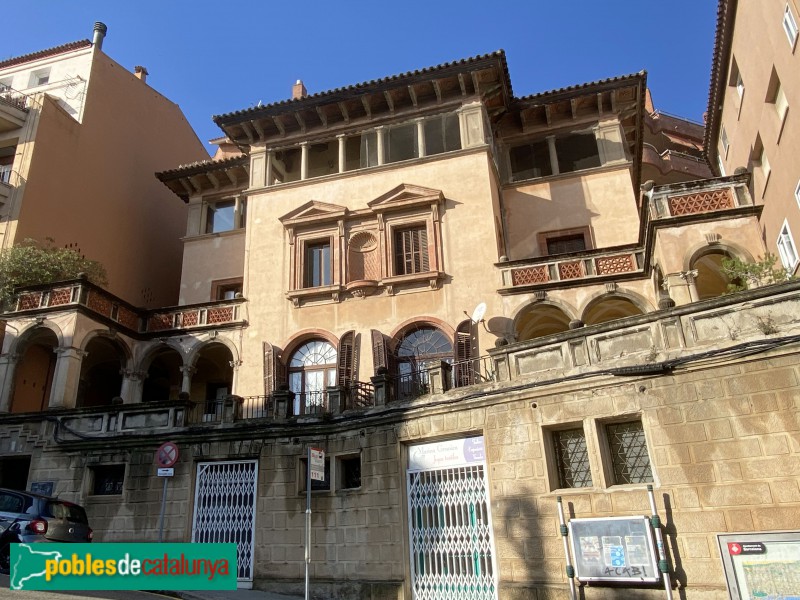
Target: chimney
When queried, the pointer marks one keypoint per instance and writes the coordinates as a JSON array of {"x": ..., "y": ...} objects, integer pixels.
[
  {"x": 299, "y": 90},
  {"x": 100, "y": 30},
  {"x": 140, "y": 73}
]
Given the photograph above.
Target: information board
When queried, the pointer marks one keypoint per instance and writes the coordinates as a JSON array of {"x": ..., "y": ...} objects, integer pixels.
[
  {"x": 317, "y": 464},
  {"x": 614, "y": 549},
  {"x": 761, "y": 565}
]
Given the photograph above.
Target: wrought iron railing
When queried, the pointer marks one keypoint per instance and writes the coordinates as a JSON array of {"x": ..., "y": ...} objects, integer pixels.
[
  {"x": 15, "y": 98},
  {"x": 473, "y": 371},
  {"x": 360, "y": 394}
]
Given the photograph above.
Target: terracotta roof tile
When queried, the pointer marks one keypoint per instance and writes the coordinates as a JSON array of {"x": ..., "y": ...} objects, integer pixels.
[
  {"x": 18, "y": 60},
  {"x": 232, "y": 116},
  {"x": 202, "y": 166}
]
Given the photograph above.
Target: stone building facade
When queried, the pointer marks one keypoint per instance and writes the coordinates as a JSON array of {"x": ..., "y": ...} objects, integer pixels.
[{"x": 473, "y": 303}]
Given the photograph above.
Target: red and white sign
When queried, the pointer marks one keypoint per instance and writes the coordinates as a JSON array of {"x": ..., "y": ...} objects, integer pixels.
[
  {"x": 167, "y": 454},
  {"x": 317, "y": 463}
]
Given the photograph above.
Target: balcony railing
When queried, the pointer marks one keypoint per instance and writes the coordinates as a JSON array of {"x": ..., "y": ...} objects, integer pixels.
[
  {"x": 548, "y": 270},
  {"x": 82, "y": 293},
  {"x": 15, "y": 99},
  {"x": 725, "y": 197}
]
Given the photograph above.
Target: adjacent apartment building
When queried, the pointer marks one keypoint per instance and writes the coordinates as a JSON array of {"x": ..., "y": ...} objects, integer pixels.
[
  {"x": 71, "y": 122},
  {"x": 476, "y": 303},
  {"x": 755, "y": 89}
]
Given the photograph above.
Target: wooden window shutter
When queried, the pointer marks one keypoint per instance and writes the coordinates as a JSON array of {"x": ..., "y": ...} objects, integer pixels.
[
  {"x": 379, "y": 352},
  {"x": 347, "y": 368},
  {"x": 463, "y": 353},
  {"x": 274, "y": 369},
  {"x": 411, "y": 251}
]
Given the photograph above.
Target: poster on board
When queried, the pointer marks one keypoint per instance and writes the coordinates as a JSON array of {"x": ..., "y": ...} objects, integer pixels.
[
  {"x": 614, "y": 549},
  {"x": 761, "y": 565}
]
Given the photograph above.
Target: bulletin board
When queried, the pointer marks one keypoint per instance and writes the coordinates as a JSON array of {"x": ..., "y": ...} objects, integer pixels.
[{"x": 614, "y": 549}]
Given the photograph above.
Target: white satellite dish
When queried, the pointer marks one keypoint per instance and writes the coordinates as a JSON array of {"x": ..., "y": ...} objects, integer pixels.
[{"x": 477, "y": 314}]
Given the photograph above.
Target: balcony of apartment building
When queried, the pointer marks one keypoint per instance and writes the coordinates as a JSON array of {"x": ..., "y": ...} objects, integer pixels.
[{"x": 14, "y": 108}]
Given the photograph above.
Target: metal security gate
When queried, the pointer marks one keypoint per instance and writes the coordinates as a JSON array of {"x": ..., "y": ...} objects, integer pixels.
[
  {"x": 225, "y": 509},
  {"x": 450, "y": 529}
]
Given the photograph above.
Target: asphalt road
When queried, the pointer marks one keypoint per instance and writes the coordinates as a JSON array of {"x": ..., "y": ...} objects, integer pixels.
[{"x": 6, "y": 594}]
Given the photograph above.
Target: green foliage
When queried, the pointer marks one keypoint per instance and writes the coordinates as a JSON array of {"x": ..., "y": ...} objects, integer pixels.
[
  {"x": 746, "y": 275},
  {"x": 31, "y": 263}
]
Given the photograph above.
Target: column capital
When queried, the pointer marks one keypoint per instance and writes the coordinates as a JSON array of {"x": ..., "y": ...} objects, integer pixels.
[{"x": 187, "y": 369}]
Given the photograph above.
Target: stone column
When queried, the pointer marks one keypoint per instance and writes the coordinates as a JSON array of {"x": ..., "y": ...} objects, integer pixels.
[
  {"x": 551, "y": 145},
  {"x": 304, "y": 160},
  {"x": 420, "y": 138},
  {"x": 342, "y": 152},
  {"x": 679, "y": 289},
  {"x": 186, "y": 384},
  {"x": 64, "y": 389},
  {"x": 690, "y": 277},
  {"x": 131, "y": 390},
  {"x": 379, "y": 133},
  {"x": 8, "y": 368}
]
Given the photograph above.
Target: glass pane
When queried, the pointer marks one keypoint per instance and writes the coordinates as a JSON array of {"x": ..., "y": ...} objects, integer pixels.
[
  {"x": 572, "y": 458},
  {"x": 566, "y": 243},
  {"x": 318, "y": 265},
  {"x": 369, "y": 149},
  {"x": 317, "y": 352},
  {"x": 401, "y": 143},
  {"x": 530, "y": 161},
  {"x": 220, "y": 217},
  {"x": 577, "y": 151},
  {"x": 629, "y": 456}
]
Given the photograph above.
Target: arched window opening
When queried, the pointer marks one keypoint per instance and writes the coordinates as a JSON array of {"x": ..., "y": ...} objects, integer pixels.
[
  {"x": 419, "y": 350},
  {"x": 163, "y": 380},
  {"x": 212, "y": 380},
  {"x": 33, "y": 379},
  {"x": 711, "y": 280},
  {"x": 312, "y": 369},
  {"x": 610, "y": 309},
  {"x": 101, "y": 376},
  {"x": 540, "y": 320}
]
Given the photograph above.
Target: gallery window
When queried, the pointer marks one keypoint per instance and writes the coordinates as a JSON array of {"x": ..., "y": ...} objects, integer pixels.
[
  {"x": 572, "y": 458},
  {"x": 411, "y": 250},
  {"x": 107, "y": 480},
  {"x": 225, "y": 214},
  {"x": 787, "y": 249},
  {"x": 317, "y": 264},
  {"x": 562, "y": 153},
  {"x": 627, "y": 452}
]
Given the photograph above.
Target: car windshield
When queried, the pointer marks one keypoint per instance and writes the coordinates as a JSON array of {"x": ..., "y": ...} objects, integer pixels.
[{"x": 70, "y": 512}]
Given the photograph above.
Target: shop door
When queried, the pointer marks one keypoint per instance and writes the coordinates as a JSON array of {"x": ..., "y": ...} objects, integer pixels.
[
  {"x": 225, "y": 509},
  {"x": 450, "y": 525}
]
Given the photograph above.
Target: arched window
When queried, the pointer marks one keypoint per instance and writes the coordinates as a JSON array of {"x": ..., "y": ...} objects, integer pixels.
[
  {"x": 418, "y": 350},
  {"x": 711, "y": 280},
  {"x": 312, "y": 369}
]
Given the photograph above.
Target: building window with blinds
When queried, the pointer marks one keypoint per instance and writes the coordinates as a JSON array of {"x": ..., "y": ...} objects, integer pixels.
[{"x": 411, "y": 250}]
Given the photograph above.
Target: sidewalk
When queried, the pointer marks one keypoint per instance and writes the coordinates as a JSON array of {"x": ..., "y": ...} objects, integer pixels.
[{"x": 235, "y": 595}]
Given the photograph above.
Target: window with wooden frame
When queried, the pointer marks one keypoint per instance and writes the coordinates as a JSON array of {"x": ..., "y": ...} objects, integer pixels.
[
  {"x": 317, "y": 263},
  {"x": 224, "y": 214},
  {"x": 411, "y": 250},
  {"x": 226, "y": 289},
  {"x": 565, "y": 241}
]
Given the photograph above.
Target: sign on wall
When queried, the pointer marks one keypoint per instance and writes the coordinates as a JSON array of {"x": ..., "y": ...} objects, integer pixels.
[
  {"x": 447, "y": 454},
  {"x": 45, "y": 488},
  {"x": 761, "y": 565},
  {"x": 613, "y": 549}
]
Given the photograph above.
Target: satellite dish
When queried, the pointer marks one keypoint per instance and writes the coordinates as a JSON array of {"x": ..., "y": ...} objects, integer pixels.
[{"x": 477, "y": 314}]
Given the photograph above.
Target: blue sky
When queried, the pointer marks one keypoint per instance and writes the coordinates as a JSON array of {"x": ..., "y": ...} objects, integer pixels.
[{"x": 213, "y": 58}]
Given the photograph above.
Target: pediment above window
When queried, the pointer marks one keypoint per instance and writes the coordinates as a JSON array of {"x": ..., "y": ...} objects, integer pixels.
[
  {"x": 314, "y": 212},
  {"x": 406, "y": 196}
]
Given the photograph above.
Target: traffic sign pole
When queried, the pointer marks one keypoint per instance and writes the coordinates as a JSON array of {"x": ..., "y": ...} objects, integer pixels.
[{"x": 166, "y": 456}]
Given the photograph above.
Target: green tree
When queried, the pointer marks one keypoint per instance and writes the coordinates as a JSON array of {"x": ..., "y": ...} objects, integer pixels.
[
  {"x": 748, "y": 275},
  {"x": 31, "y": 263}
]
